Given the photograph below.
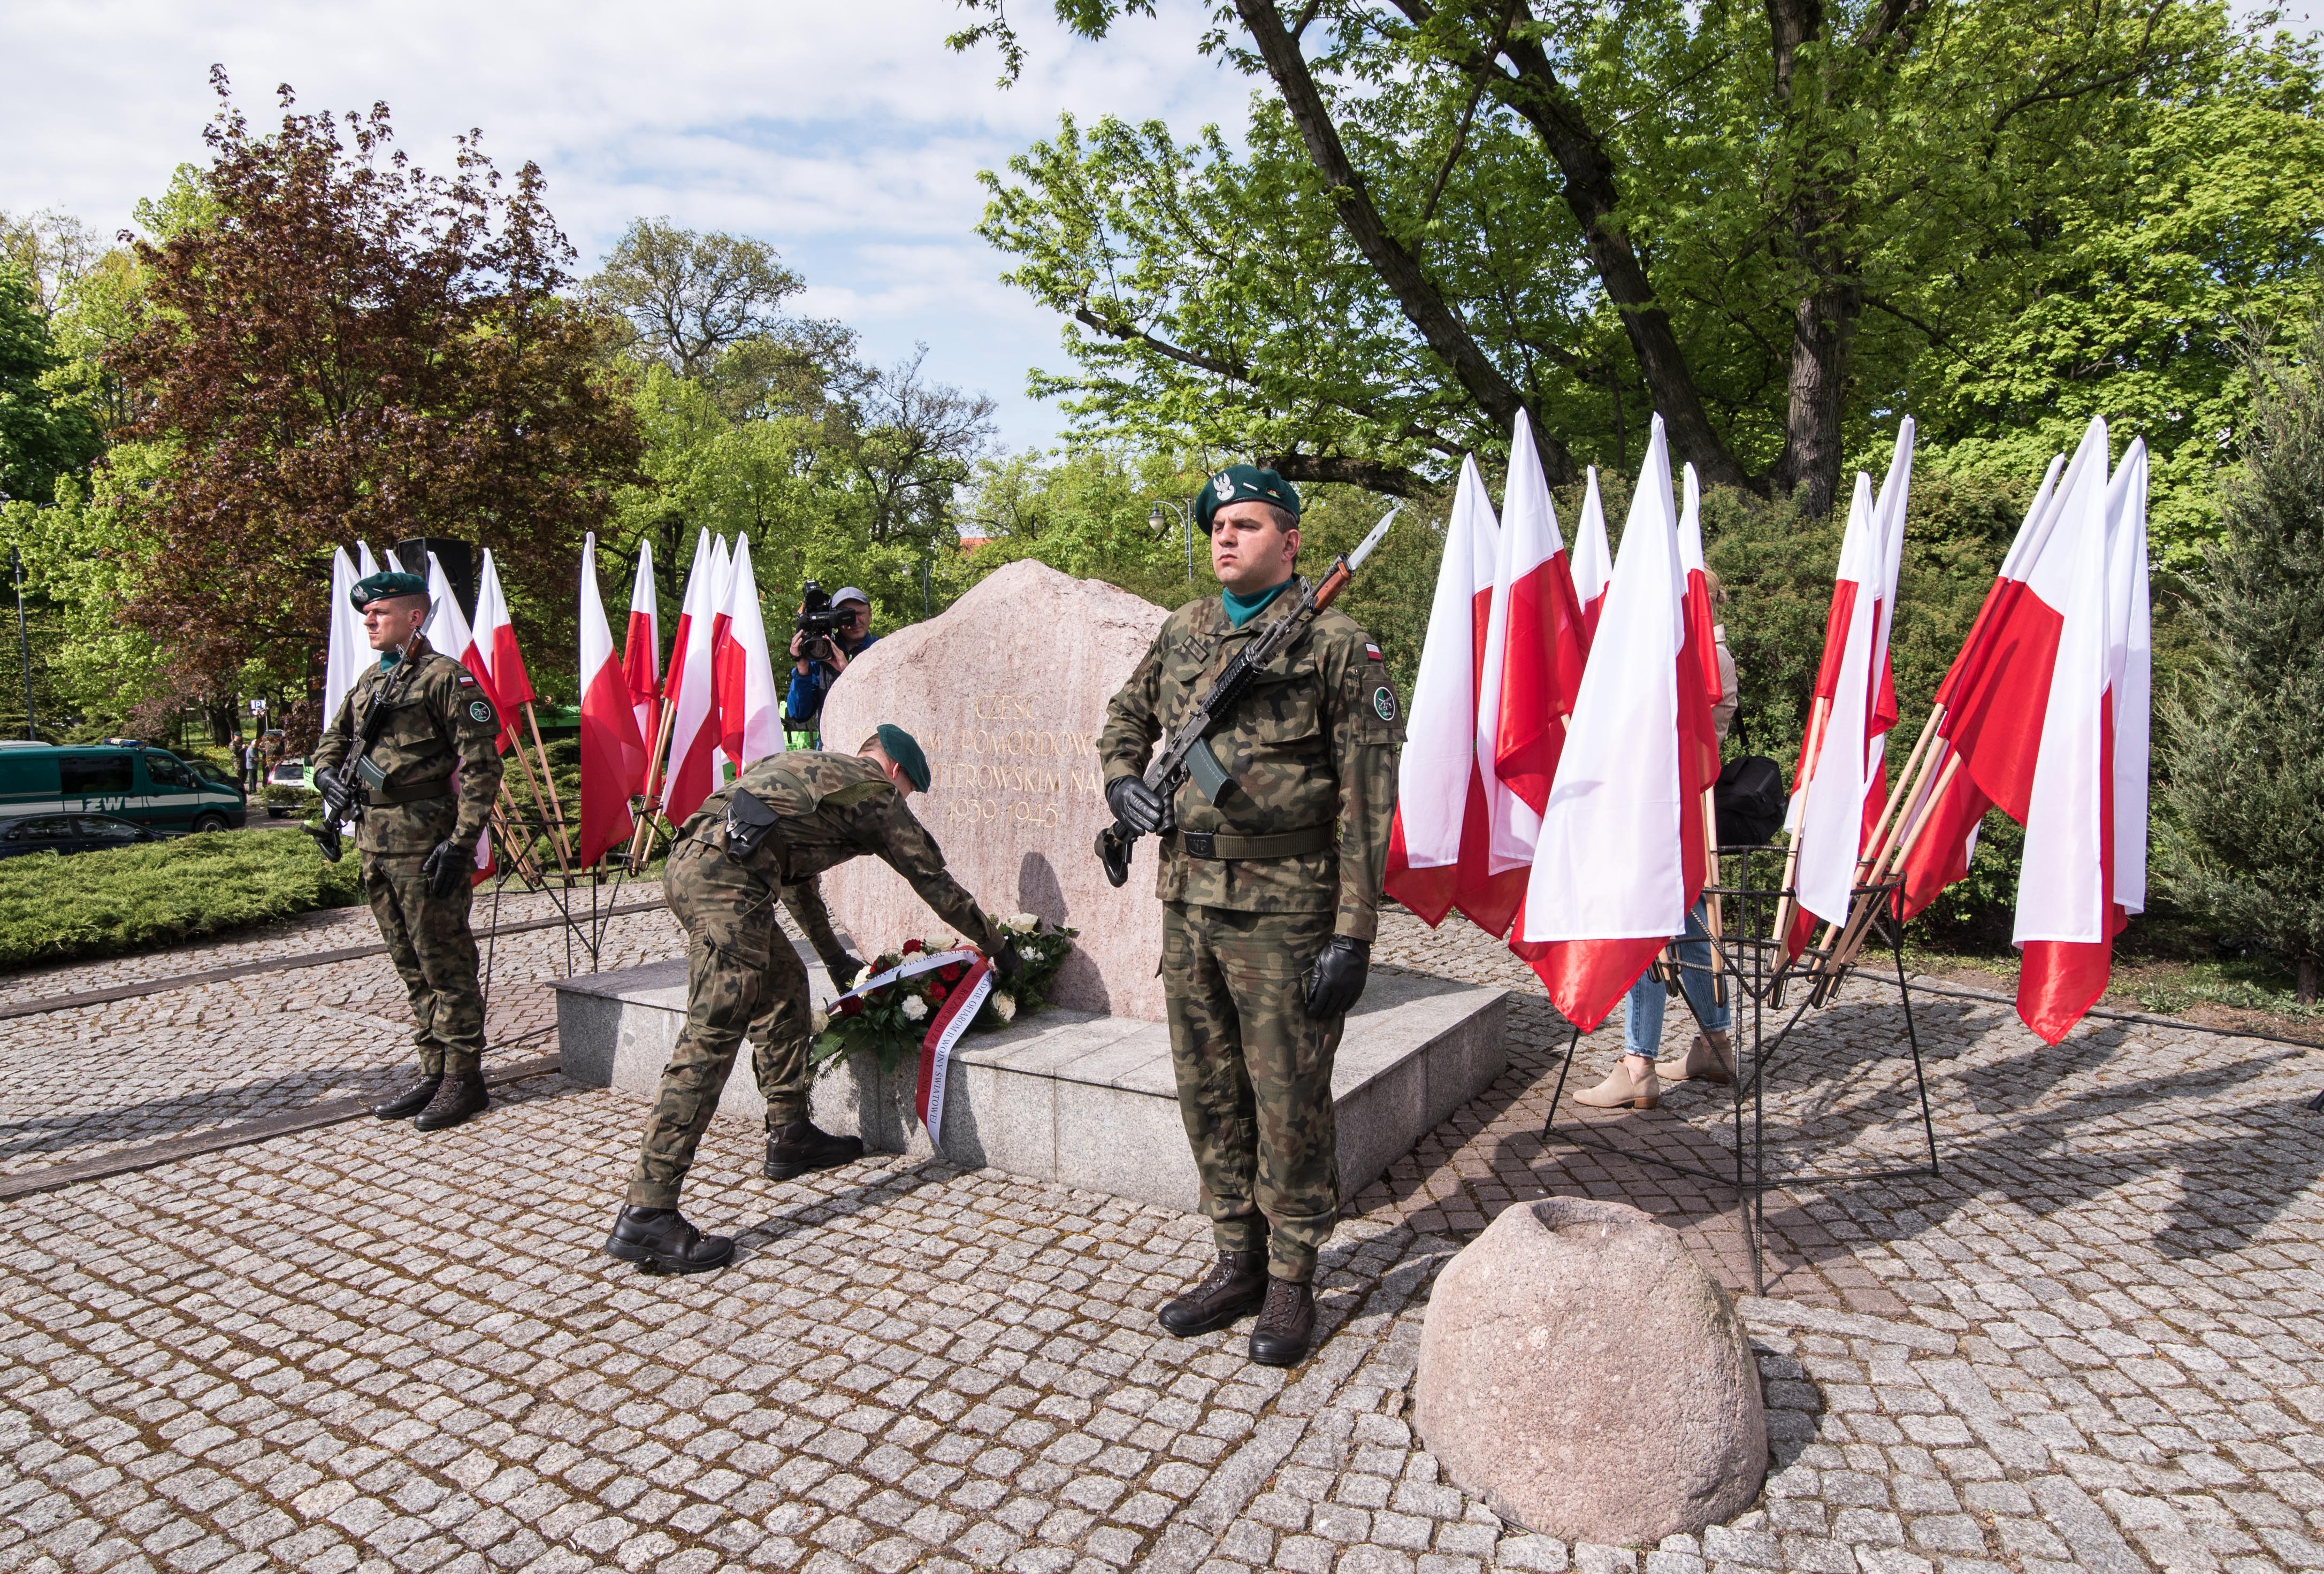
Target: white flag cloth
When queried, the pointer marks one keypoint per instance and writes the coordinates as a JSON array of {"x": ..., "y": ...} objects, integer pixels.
[
  {"x": 349, "y": 650},
  {"x": 692, "y": 772},
  {"x": 1439, "y": 791},
  {"x": 750, "y": 723},
  {"x": 1828, "y": 806},
  {"x": 1530, "y": 546},
  {"x": 2130, "y": 663},
  {"x": 1593, "y": 560},
  {"x": 447, "y": 629},
  {"x": 1610, "y": 878},
  {"x": 366, "y": 564}
]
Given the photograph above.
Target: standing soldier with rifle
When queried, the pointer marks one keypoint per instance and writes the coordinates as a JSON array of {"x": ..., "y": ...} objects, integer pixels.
[
  {"x": 1272, "y": 797},
  {"x": 388, "y": 758}
]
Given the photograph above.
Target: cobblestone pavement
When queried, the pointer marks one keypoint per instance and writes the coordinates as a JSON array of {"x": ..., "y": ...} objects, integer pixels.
[
  {"x": 89, "y": 1080},
  {"x": 2095, "y": 1342}
]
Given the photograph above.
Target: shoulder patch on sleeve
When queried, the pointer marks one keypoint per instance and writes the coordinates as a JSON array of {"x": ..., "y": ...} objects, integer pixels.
[
  {"x": 1372, "y": 652},
  {"x": 468, "y": 680},
  {"x": 1384, "y": 703},
  {"x": 480, "y": 709}
]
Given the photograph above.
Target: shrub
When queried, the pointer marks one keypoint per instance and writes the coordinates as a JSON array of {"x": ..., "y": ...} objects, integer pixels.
[{"x": 55, "y": 908}]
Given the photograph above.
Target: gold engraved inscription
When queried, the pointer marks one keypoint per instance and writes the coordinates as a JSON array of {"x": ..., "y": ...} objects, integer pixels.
[{"x": 1006, "y": 764}]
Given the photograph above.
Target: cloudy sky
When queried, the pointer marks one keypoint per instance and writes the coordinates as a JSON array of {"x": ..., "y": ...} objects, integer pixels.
[{"x": 847, "y": 136}]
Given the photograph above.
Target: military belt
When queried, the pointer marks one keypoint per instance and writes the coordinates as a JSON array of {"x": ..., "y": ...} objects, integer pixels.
[
  {"x": 415, "y": 791},
  {"x": 1220, "y": 846}
]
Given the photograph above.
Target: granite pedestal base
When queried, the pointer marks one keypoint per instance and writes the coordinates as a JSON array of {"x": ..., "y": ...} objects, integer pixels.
[{"x": 1065, "y": 1096}]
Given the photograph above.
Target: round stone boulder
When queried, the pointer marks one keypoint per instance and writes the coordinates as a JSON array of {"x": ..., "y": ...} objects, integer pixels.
[{"x": 1586, "y": 1380}]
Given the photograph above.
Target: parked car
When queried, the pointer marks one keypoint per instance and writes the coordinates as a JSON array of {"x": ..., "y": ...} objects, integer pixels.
[
  {"x": 294, "y": 775},
  {"x": 145, "y": 786},
  {"x": 211, "y": 771},
  {"x": 32, "y": 834}
]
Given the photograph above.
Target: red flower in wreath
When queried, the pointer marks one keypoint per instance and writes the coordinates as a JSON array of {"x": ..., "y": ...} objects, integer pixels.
[
  {"x": 951, "y": 971},
  {"x": 913, "y": 947}
]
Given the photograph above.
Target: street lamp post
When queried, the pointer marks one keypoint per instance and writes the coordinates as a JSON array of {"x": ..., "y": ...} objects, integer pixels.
[
  {"x": 1158, "y": 520},
  {"x": 23, "y": 640}
]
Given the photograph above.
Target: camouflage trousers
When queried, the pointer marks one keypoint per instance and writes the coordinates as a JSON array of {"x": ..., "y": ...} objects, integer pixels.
[
  {"x": 742, "y": 976},
  {"x": 1254, "y": 1076},
  {"x": 429, "y": 940}
]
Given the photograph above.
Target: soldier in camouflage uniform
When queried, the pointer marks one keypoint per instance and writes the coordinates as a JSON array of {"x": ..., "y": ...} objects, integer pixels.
[
  {"x": 418, "y": 835},
  {"x": 1269, "y": 902},
  {"x": 786, "y": 819}
]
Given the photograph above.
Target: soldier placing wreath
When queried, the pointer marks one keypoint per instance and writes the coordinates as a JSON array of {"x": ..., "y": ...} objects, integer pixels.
[
  {"x": 410, "y": 757},
  {"x": 787, "y": 818},
  {"x": 1272, "y": 798}
]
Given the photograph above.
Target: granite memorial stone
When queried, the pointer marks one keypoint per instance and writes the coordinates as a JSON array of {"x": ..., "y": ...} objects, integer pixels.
[{"x": 1005, "y": 691}]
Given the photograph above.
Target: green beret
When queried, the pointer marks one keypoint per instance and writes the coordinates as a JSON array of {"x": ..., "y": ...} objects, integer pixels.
[
  {"x": 1245, "y": 484},
  {"x": 905, "y": 750},
  {"x": 386, "y": 586}
]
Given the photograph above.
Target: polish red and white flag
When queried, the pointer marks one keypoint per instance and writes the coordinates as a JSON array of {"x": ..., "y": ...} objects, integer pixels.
[
  {"x": 1853, "y": 706},
  {"x": 1530, "y": 678},
  {"x": 1593, "y": 560},
  {"x": 693, "y": 768},
  {"x": 750, "y": 726},
  {"x": 1621, "y": 857},
  {"x": 2084, "y": 870},
  {"x": 641, "y": 653},
  {"x": 448, "y": 633},
  {"x": 1994, "y": 734},
  {"x": 1829, "y": 785},
  {"x": 496, "y": 649},
  {"x": 1439, "y": 828},
  {"x": 613, "y": 754}
]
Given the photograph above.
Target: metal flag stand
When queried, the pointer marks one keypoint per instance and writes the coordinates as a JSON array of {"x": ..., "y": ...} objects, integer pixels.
[{"x": 1747, "y": 959}]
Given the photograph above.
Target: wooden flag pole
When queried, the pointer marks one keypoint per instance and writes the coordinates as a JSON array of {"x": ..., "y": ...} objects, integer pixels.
[
  {"x": 525, "y": 765},
  {"x": 564, "y": 847},
  {"x": 657, "y": 782},
  {"x": 1860, "y": 922},
  {"x": 519, "y": 858},
  {"x": 1903, "y": 798}
]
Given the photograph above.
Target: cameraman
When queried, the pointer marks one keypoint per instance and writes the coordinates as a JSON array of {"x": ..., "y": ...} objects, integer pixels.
[{"x": 817, "y": 663}]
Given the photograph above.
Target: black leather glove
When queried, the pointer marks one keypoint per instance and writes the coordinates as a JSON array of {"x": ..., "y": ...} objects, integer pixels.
[
  {"x": 1335, "y": 981},
  {"x": 334, "y": 789},
  {"x": 1006, "y": 962},
  {"x": 446, "y": 868},
  {"x": 843, "y": 969},
  {"x": 1135, "y": 804}
]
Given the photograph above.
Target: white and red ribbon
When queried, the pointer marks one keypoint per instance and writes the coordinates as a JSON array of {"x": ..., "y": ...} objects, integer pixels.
[
  {"x": 959, "y": 1009},
  {"x": 926, "y": 963}
]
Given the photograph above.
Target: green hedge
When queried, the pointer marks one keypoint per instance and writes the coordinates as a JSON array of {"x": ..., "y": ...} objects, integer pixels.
[{"x": 57, "y": 908}]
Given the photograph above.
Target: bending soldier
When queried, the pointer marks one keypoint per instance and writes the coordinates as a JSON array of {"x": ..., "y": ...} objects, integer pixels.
[
  {"x": 786, "y": 819},
  {"x": 392, "y": 753},
  {"x": 1269, "y": 902}
]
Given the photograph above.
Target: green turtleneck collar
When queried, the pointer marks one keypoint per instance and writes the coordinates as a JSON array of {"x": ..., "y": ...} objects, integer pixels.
[{"x": 1240, "y": 609}]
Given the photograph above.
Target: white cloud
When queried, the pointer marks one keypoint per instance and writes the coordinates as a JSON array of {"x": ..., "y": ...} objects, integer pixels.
[{"x": 847, "y": 135}]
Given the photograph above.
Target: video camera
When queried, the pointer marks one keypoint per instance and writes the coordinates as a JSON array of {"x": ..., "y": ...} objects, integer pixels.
[{"x": 818, "y": 620}]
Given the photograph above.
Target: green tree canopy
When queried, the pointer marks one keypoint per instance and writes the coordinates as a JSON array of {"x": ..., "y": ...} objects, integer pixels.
[{"x": 1777, "y": 225}]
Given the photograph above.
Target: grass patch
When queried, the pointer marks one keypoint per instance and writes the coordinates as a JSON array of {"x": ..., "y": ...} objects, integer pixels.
[{"x": 55, "y": 908}]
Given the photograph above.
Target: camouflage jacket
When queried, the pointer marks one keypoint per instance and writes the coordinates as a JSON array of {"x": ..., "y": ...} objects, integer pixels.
[
  {"x": 1313, "y": 742},
  {"x": 441, "y": 720},
  {"x": 833, "y": 807}
]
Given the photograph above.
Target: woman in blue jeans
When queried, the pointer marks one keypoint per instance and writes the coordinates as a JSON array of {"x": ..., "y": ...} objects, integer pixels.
[{"x": 1637, "y": 1079}]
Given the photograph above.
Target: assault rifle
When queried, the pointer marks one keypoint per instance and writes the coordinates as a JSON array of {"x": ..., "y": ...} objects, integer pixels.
[
  {"x": 340, "y": 788},
  {"x": 1188, "y": 751}
]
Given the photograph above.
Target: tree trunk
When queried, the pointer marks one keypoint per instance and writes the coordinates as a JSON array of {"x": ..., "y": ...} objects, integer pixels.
[
  {"x": 2309, "y": 979},
  {"x": 1823, "y": 331},
  {"x": 1423, "y": 305}
]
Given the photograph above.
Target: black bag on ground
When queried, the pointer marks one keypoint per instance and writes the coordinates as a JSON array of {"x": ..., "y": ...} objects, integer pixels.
[{"x": 1750, "y": 800}]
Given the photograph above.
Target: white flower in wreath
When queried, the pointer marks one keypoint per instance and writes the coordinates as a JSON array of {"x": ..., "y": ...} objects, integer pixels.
[
  {"x": 1004, "y": 1007},
  {"x": 862, "y": 976},
  {"x": 915, "y": 1008},
  {"x": 1022, "y": 923}
]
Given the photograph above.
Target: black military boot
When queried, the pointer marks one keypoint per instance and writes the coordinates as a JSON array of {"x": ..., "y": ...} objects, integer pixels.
[
  {"x": 1234, "y": 1286},
  {"x": 660, "y": 1241},
  {"x": 795, "y": 1148},
  {"x": 412, "y": 1100},
  {"x": 461, "y": 1096},
  {"x": 1285, "y": 1325}
]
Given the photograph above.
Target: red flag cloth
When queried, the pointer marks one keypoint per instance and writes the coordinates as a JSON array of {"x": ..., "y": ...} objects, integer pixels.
[
  {"x": 613, "y": 754},
  {"x": 1593, "y": 561},
  {"x": 641, "y": 654},
  {"x": 1544, "y": 644},
  {"x": 494, "y": 642},
  {"x": 1437, "y": 837},
  {"x": 693, "y": 691},
  {"x": 1620, "y": 857}
]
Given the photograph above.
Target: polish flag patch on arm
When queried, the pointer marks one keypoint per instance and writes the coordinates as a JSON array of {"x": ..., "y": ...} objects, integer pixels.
[{"x": 1372, "y": 653}]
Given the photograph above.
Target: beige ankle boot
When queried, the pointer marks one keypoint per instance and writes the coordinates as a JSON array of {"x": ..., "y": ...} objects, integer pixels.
[
  {"x": 1620, "y": 1089},
  {"x": 1710, "y": 1057}
]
